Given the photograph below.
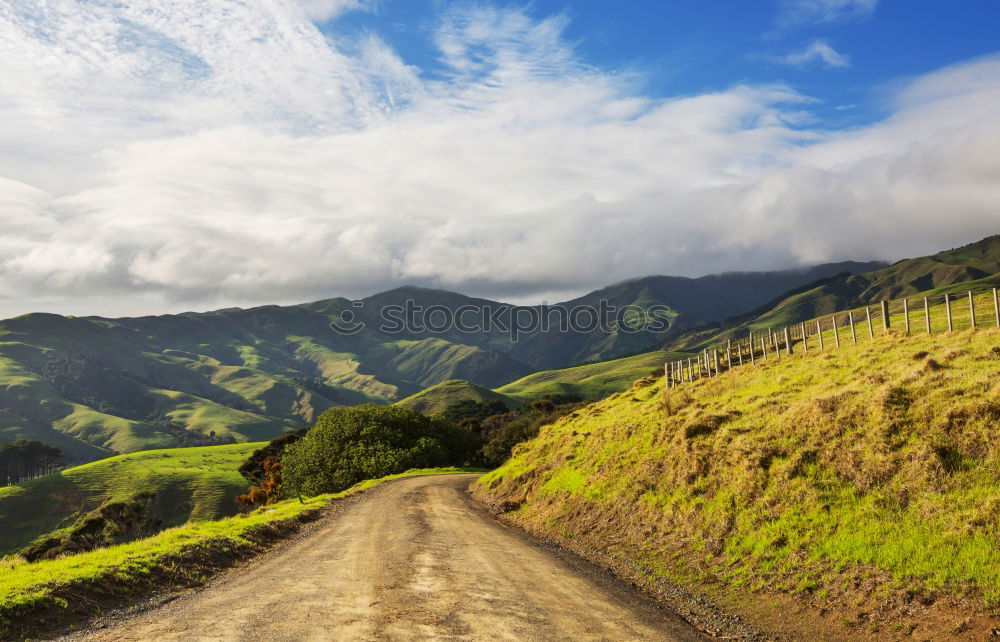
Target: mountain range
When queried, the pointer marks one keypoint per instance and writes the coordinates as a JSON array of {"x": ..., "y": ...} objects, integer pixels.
[{"x": 95, "y": 386}]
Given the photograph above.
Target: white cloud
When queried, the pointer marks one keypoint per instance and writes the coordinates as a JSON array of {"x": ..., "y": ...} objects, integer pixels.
[
  {"x": 186, "y": 165},
  {"x": 326, "y": 10},
  {"x": 793, "y": 13},
  {"x": 817, "y": 51}
]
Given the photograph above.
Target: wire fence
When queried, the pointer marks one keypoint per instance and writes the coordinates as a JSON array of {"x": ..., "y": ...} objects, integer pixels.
[{"x": 912, "y": 315}]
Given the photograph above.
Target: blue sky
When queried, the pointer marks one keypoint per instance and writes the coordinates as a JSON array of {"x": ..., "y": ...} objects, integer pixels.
[
  {"x": 164, "y": 155},
  {"x": 682, "y": 47}
]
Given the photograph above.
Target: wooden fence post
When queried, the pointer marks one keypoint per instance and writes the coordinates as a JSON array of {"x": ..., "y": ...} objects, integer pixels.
[
  {"x": 996, "y": 306},
  {"x": 972, "y": 309},
  {"x": 885, "y": 316},
  {"x": 788, "y": 343},
  {"x": 906, "y": 314},
  {"x": 715, "y": 358},
  {"x": 836, "y": 330},
  {"x": 854, "y": 334},
  {"x": 763, "y": 347},
  {"x": 947, "y": 305},
  {"x": 819, "y": 333},
  {"x": 805, "y": 338},
  {"x": 729, "y": 353},
  {"x": 868, "y": 314},
  {"x": 927, "y": 314},
  {"x": 753, "y": 361},
  {"x": 690, "y": 369}
]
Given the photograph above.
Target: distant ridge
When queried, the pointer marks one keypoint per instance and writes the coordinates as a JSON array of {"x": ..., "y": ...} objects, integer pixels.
[{"x": 96, "y": 386}]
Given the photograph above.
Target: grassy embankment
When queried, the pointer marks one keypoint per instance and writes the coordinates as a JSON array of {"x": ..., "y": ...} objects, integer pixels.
[
  {"x": 190, "y": 484},
  {"x": 824, "y": 301},
  {"x": 177, "y": 557},
  {"x": 871, "y": 469}
]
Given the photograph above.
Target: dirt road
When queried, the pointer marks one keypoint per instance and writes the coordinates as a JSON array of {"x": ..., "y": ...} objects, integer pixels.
[{"x": 410, "y": 560}]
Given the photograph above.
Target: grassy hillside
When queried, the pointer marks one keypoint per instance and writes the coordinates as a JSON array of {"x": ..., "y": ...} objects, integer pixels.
[
  {"x": 437, "y": 398},
  {"x": 591, "y": 381},
  {"x": 975, "y": 266},
  {"x": 190, "y": 483},
  {"x": 864, "y": 477},
  {"x": 97, "y": 387}
]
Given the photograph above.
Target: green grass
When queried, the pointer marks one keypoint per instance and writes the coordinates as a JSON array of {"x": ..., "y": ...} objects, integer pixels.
[
  {"x": 916, "y": 313},
  {"x": 874, "y": 460},
  {"x": 191, "y": 484},
  {"x": 24, "y": 586},
  {"x": 591, "y": 381},
  {"x": 437, "y": 398},
  {"x": 973, "y": 267}
]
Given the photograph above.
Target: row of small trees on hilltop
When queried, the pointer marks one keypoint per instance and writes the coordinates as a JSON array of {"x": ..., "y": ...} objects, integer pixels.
[{"x": 23, "y": 459}]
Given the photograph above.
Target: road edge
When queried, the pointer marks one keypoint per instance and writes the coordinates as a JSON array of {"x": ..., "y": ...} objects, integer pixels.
[
  {"x": 71, "y": 607},
  {"x": 693, "y": 608}
]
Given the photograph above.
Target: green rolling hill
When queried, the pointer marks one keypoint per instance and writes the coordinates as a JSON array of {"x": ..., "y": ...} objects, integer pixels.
[
  {"x": 973, "y": 267},
  {"x": 592, "y": 381},
  {"x": 96, "y": 387},
  {"x": 190, "y": 484},
  {"x": 437, "y": 398}
]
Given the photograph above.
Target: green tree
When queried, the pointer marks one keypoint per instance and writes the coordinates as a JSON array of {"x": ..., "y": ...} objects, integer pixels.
[
  {"x": 469, "y": 409},
  {"x": 253, "y": 468},
  {"x": 351, "y": 444},
  {"x": 21, "y": 460}
]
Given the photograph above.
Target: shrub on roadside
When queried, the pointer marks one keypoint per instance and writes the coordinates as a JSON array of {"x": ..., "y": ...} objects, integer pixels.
[
  {"x": 253, "y": 469},
  {"x": 500, "y": 433},
  {"x": 351, "y": 444}
]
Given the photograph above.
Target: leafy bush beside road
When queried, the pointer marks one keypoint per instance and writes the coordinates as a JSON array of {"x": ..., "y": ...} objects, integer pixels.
[{"x": 350, "y": 444}]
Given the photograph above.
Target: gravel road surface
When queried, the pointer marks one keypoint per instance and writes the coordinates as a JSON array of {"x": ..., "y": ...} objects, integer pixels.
[{"x": 413, "y": 559}]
